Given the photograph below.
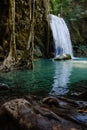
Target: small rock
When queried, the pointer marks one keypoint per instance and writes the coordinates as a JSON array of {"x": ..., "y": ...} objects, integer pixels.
[
  {"x": 4, "y": 86},
  {"x": 63, "y": 57}
]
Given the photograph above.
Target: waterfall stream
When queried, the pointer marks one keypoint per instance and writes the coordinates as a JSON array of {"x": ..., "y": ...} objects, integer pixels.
[{"x": 61, "y": 36}]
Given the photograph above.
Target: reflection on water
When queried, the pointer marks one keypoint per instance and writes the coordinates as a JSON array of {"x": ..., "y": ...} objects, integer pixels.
[
  {"x": 63, "y": 71},
  {"x": 54, "y": 77}
]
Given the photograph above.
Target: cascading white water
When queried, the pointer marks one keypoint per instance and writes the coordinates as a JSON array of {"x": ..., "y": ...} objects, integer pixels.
[{"x": 61, "y": 36}]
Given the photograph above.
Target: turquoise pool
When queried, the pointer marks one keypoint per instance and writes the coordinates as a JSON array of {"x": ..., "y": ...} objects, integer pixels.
[{"x": 48, "y": 76}]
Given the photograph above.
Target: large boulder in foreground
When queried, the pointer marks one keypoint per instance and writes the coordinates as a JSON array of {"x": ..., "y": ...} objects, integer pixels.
[
  {"x": 63, "y": 57},
  {"x": 21, "y": 114},
  {"x": 30, "y": 117}
]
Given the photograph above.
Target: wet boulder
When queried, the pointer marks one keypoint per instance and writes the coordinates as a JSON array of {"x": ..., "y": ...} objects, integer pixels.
[{"x": 63, "y": 57}]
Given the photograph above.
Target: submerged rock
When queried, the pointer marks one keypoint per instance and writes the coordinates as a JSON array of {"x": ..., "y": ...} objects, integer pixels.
[{"x": 63, "y": 57}]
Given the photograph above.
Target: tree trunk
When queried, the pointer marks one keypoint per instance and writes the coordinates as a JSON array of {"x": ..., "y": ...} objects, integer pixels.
[
  {"x": 12, "y": 52},
  {"x": 34, "y": 18},
  {"x": 27, "y": 59},
  {"x": 11, "y": 59}
]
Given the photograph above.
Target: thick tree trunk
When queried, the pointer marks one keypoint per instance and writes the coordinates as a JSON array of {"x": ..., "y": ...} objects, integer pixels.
[
  {"x": 12, "y": 52},
  {"x": 30, "y": 46},
  {"x": 11, "y": 59},
  {"x": 27, "y": 59}
]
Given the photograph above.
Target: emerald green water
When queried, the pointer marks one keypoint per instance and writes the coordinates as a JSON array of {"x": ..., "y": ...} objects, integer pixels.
[{"x": 48, "y": 77}]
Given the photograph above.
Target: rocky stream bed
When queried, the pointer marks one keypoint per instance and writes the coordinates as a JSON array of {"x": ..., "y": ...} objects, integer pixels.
[{"x": 20, "y": 111}]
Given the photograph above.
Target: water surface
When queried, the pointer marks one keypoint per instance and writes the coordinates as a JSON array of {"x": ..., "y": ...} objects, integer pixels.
[{"x": 48, "y": 77}]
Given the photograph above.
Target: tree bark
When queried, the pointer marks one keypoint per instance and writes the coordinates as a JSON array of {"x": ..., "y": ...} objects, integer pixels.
[
  {"x": 37, "y": 20},
  {"x": 12, "y": 29},
  {"x": 26, "y": 61},
  {"x": 11, "y": 59}
]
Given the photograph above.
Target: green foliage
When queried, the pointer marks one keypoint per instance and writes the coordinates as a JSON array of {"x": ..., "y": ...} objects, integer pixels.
[
  {"x": 60, "y": 6},
  {"x": 69, "y": 9}
]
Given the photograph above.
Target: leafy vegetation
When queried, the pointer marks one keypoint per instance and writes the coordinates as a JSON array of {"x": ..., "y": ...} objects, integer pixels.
[{"x": 69, "y": 9}]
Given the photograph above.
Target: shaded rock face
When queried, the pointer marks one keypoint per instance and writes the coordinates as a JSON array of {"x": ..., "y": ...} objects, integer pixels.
[
  {"x": 78, "y": 29},
  {"x": 79, "y": 37},
  {"x": 22, "y": 24}
]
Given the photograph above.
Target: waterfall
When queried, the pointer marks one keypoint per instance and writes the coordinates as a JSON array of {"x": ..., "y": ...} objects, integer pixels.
[{"x": 61, "y": 36}]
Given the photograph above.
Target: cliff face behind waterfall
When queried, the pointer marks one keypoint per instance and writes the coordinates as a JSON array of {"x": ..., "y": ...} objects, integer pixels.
[{"x": 78, "y": 28}]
